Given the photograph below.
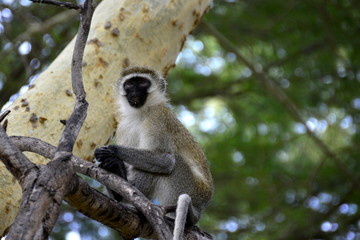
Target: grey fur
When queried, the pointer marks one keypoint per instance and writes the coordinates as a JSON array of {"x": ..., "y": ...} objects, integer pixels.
[{"x": 162, "y": 158}]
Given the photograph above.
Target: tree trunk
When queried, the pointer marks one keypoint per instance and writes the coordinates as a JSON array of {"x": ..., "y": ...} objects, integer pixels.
[{"x": 123, "y": 33}]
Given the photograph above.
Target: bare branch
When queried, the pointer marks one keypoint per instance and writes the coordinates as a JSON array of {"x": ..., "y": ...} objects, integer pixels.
[
  {"x": 15, "y": 161},
  {"x": 77, "y": 118},
  {"x": 59, "y": 4},
  {"x": 41, "y": 187},
  {"x": 44, "y": 187},
  {"x": 225, "y": 90},
  {"x": 42, "y": 27},
  {"x": 62, "y": 177},
  {"x": 85, "y": 198},
  {"x": 119, "y": 185},
  {"x": 122, "y": 217},
  {"x": 154, "y": 214},
  {"x": 304, "y": 51}
]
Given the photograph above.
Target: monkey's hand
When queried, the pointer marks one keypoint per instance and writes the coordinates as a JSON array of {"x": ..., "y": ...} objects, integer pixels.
[
  {"x": 109, "y": 161},
  {"x": 105, "y": 152}
]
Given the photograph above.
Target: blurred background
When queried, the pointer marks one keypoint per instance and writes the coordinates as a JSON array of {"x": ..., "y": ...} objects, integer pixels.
[{"x": 270, "y": 88}]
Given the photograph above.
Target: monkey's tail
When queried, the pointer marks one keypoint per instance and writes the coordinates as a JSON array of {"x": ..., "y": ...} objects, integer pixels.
[{"x": 184, "y": 201}]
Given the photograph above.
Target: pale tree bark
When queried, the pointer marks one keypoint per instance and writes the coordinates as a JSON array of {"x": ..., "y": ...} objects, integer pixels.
[{"x": 123, "y": 32}]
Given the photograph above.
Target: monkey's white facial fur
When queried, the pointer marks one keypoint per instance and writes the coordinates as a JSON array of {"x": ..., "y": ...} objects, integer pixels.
[{"x": 151, "y": 95}]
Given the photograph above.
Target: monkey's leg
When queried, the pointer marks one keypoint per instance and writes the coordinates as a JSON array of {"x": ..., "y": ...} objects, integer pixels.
[{"x": 184, "y": 212}]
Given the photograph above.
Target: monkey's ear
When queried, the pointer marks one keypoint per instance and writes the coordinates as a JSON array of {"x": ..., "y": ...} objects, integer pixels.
[
  {"x": 152, "y": 87},
  {"x": 161, "y": 85}
]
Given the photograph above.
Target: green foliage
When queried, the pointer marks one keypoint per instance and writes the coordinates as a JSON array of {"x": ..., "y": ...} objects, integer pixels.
[{"x": 273, "y": 181}]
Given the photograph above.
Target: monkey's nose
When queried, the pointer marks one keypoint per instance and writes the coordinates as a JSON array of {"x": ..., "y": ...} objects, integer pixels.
[{"x": 135, "y": 100}]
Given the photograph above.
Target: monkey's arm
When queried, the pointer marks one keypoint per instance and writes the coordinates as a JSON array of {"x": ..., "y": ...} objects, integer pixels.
[{"x": 145, "y": 160}]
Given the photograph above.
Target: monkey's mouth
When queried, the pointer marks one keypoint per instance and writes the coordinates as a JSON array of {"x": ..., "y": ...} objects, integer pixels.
[{"x": 136, "y": 101}]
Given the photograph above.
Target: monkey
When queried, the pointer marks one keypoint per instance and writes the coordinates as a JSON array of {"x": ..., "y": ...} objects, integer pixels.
[{"x": 155, "y": 152}]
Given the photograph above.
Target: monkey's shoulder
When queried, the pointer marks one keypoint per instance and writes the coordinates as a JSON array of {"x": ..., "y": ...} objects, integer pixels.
[
  {"x": 162, "y": 117},
  {"x": 186, "y": 146}
]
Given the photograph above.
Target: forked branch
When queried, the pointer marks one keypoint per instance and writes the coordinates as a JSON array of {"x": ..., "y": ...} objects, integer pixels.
[
  {"x": 59, "y": 175},
  {"x": 49, "y": 184},
  {"x": 108, "y": 212}
]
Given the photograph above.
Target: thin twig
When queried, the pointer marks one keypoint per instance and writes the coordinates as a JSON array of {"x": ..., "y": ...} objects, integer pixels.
[
  {"x": 305, "y": 50},
  {"x": 59, "y": 4},
  {"x": 77, "y": 118}
]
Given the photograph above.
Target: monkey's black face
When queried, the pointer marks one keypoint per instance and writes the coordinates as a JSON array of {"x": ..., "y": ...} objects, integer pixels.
[{"x": 136, "y": 91}]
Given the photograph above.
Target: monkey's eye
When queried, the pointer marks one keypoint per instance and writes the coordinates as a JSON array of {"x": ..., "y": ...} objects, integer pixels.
[
  {"x": 144, "y": 83},
  {"x": 128, "y": 84}
]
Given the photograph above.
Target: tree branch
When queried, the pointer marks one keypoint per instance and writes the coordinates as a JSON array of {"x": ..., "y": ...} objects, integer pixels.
[
  {"x": 38, "y": 28},
  {"x": 276, "y": 92},
  {"x": 225, "y": 90},
  {"x": 59, "y": 4},
  {"x": 43, "y": 191},
  {"x": 60, "y": 170},
  {"x": 153, "y": 213},
  {"x": 44, "y": 187},
  {"x": 85, "y": 201},
  {"x": 15, "y": 161},
  {"x": 124, "y": 218},
  {"x": 77, "y": 118},
  {"x": 305, "y": 50}
]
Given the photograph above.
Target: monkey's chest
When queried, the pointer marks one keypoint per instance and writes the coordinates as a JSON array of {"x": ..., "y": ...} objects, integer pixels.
[
  {"x": 133, "y": 133},
  {"x": 130, "y": 134}
]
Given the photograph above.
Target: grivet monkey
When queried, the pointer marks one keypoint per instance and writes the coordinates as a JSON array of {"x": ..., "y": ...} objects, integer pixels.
[{"x": 155, "y": 152}]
